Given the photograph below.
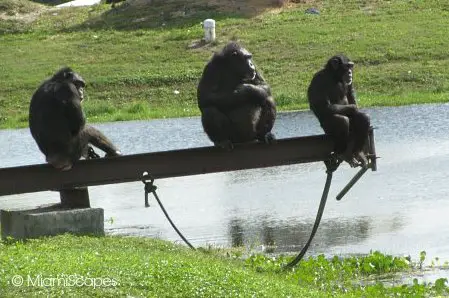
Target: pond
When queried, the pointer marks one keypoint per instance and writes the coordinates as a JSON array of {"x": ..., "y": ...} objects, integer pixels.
[{"x": 399, "y": 209}]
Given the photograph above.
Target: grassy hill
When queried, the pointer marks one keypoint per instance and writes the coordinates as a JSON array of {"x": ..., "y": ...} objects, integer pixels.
[
  {"x": 137, "y": 56},
  {"x": 72, "y": 266}
]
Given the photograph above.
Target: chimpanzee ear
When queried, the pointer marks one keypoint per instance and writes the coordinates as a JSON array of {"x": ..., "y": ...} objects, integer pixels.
[
  {"x": 68, "y": 74},
  {"x": 335, "y": 63}
]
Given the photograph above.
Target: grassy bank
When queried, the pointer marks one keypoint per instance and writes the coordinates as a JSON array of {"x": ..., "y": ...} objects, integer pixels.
[
  {"x": 137, "y": 267},
  {"x": 138, "y": 62}
]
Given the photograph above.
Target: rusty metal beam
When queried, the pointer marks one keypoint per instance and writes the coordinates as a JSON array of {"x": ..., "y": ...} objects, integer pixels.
[{"x": 164, "y": 164}]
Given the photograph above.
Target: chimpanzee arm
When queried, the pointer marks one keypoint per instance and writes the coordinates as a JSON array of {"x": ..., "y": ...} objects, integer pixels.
[
  {"x": 350, "y": 95},
  {"x": 321, "y": 104},
  {"x": 75, "y": 116},
  {"x": 99, "y": 140},
  {"x": 345, "y": 110},
  {"x": 213, "y": 91},
  {"x": 260, "y": 83},
  {"x": 255, "y": 91},
  {"x": 73, "y": 112},
  {"x": 211, "y": 96}
]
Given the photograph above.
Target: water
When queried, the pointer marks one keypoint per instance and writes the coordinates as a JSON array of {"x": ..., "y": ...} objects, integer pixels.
[
  {"x": 400, "y": 209},
  {"x": 79, "y": 3}
]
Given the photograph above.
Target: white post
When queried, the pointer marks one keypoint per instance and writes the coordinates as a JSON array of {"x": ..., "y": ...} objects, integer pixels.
[{"x": 209, "y": 30}]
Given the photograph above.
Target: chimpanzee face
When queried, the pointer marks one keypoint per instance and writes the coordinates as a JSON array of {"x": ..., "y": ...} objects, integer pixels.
[
  {"x": 79, "y": 84},
  {"x": 347, "y": 72},
  {"x": 342, "y": 67},
  {"x": 243, "y": 64},
  {"x": 78, "y": 81}
]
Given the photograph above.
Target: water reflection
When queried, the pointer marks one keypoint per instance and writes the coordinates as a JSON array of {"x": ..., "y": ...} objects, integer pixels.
[
  {"x": 292, "y": 234},
  {"x": 400, "y": 209}
]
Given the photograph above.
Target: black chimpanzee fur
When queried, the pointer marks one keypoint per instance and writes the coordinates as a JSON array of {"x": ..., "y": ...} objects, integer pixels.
[
  {"x": 235, "y": 101},
  {"x": 58, "y": 125},
  {"x": 332, "y": 99}
]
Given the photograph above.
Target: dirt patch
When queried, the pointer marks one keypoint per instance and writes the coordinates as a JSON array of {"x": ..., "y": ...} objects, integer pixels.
[
  {"x": 244, "y": 7},
  {"x": 23, "y": 18},
  {"x": 20, "y": 10}
]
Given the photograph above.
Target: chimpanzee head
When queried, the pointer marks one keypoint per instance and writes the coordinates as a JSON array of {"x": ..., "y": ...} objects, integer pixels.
[
  {"x": 67, "y": 75},
  {"x": 341, "y": 67},
  {"x": 239, "y": 61}
]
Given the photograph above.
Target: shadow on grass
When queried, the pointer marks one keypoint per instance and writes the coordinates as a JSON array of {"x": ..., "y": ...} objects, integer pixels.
[
  {"x": 50, "y": 2},
  {"x": 139, "y": 14}
]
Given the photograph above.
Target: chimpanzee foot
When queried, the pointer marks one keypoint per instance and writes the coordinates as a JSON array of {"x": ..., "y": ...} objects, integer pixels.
[
  {"x": 353, "y": 162},
  {"x": 226, "y": 145},
  {"x": 66, "y": 167},
  {"x": 349, "y": 159},
  {"x": 59, "y": 164},
  {"x": 114, "y": 153},
  {"x": 91, "y": 154},
  {"x": 269, "y": 138},
  {"x": 361, "y": 159}
]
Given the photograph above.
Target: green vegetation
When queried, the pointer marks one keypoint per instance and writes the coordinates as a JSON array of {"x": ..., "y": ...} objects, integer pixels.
[
  {"x": 135, "y": 267},
  {"x": 137, "y": 56}
]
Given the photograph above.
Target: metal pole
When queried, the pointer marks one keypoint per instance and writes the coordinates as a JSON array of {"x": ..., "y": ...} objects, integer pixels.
[{"x": 75, "y": 198}]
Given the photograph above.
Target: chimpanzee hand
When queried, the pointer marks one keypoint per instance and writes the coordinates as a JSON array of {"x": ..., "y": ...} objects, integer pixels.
[{"x": 251, "y": 93}]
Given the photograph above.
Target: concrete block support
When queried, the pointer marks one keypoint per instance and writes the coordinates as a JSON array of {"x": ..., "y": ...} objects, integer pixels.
[{"x": 50, "y": 221}]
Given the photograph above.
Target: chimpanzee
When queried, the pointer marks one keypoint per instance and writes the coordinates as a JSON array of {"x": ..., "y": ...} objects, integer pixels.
[
  {"x": 58, "y": 125},
  {"x": 235, "y": 101},
  {"x": 332, "y": 99}
]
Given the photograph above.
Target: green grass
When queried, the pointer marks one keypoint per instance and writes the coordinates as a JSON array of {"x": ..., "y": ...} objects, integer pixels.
[
  {"x": 135, "y": 57},
  {"x": 142, "y": 267}
]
